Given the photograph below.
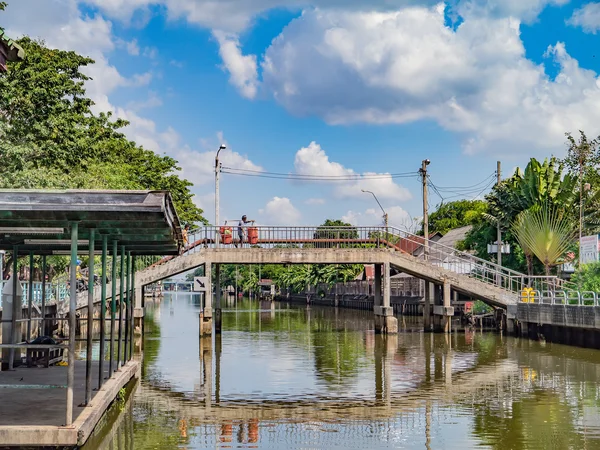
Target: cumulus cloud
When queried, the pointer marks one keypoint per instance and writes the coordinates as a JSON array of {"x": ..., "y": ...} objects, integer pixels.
[
  {"x": 242, "y": 68},
  {"x": 313, "y": 161},
  {"x": 397, "y": 217},
  {"x": 280, "y": 211},
  {"x": 587, "y": 17},
  {"x": 404, "y": 66},
  {"x": 238, "y": 15}
]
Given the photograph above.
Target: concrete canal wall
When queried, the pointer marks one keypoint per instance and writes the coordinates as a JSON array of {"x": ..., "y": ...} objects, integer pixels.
[{"x": 577, "y": 325}]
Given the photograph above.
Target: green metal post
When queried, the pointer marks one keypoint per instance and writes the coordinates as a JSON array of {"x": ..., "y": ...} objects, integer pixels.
[
  {"x": 90, "y": 319},
  {"x": 72, "y": 323},
  {"x": 132, "y": 306},
  {"x": 102, "y": 311},
  {"x": 127, "y": 304},
  {"x": 113, "y": 307},
  {"x": 43, "y": 322},
  {"x": 121, "y": 295},
  {"x": 30, "y": 297},
  {"x": 15, "y": 307}
]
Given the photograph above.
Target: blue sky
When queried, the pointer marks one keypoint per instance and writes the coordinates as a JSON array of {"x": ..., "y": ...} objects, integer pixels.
[{"x": 331, "y": 87}]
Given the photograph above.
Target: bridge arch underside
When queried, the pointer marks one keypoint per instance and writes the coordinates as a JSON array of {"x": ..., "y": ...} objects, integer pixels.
[{"x": 405, "y": 263}]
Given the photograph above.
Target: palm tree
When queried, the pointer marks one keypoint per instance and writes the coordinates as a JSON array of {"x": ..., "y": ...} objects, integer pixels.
[{"x": 546, "y": 232}]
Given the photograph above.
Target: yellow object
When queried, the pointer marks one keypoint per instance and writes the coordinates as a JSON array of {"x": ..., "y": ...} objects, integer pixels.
[
  {"x": 62, "y": 363},
  {"x": 528, "y": 295}
]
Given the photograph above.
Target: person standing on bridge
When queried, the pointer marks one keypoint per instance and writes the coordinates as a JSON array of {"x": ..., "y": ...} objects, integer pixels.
[{"x": 242, "y": 232}]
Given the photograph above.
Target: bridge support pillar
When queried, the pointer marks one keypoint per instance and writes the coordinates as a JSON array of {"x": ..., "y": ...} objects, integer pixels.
[
  {"x": 442, "y": 310},
  {"x": 217, "y": 316},
  {"x": 206, "y": 316},
  {"x": 385, "y": 322},
  {"x": 429, "y": 287}
]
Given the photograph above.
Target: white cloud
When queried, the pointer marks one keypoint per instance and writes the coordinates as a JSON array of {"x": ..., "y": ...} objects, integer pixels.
[
  {"x": 152, "y": 101},
  {"x": 238, "y": 15},
  {"x": 404, "y": 66},
  {"x": 313, "y": 160},
  {"x": 315, "y": 201},
  {"x": 242, "y": 68},
  {"x": 280, "y": 211},
  {"x": 397, "y": 217},
  {"x": 587, "y": 17},
  {"x": 133, "y": 47}
]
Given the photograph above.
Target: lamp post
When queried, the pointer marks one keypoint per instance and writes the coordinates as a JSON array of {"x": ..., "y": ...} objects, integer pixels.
[
  {"x": 217, "y": 171},
  {"x": 385, "y": 215}
]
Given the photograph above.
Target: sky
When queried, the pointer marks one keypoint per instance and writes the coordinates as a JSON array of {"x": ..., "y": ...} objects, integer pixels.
[{"x": 362, "y": 90}]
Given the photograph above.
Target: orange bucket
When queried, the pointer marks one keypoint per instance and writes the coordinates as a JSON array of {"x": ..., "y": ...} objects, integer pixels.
[
  {"x": 226, "y": 236},
  {"x": 253, "y": 235}
]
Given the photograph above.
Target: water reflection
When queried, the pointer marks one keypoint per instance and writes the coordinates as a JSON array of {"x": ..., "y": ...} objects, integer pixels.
[{"x": 286, "y": 377}]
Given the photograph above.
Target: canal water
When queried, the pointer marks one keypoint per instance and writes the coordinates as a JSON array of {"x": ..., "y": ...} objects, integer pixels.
[{"x": 285, "y": 376}]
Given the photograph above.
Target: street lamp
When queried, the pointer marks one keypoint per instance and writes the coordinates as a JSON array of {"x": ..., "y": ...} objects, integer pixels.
[
  {"x": 217, "y": 171},
  {"x": 385, "y": 215}
]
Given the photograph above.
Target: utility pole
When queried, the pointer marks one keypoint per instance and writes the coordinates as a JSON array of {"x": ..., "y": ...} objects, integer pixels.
[
  {"x": 423, "y": 172},
  {"x": 499, "y": 232},
  {"x": 428, "y": 285},
  {"x": 217, "y": 172}
]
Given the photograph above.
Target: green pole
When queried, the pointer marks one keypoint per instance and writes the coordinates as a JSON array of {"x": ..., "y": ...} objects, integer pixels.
[
  {"x": 30, "y": 297},
  {"x": 121, "y": 295},
  {"x": 90, "y": 319},
  {"x": 127, "y": 305},
  {"x": 102, "y": 311},
  {"x": 132, "y": 306},
  {"x": 113, "y": 307},
  {"x": 72, "y": 323}
]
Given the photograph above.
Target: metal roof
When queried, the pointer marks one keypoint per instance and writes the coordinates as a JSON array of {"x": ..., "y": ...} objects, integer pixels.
[
  {"x": 145, "y": 222},
  {"x": 9, "y": 50}
]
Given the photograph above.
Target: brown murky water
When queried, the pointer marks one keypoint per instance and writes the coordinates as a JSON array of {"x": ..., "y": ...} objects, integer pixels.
[{"x": 288, "y": 377}]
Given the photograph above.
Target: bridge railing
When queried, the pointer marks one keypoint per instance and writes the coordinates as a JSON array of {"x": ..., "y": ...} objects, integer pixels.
[
  {"x": 54, "y": 292},
  {"x": 306, "y": 237}
]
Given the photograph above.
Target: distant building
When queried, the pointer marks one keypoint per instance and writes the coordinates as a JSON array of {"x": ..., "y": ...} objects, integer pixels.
[{"x": 9, "y": 50}]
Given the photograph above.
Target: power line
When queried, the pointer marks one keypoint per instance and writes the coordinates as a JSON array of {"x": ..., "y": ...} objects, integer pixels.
[
  {"x": 291, "y": 176},
  {"x": 456, "y": 189}
]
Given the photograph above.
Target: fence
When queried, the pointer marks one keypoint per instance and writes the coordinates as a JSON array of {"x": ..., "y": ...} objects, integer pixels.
[{"x": 54, "y": 292}]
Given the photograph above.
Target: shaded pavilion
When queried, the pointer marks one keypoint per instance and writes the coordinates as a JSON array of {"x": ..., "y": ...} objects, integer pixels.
[{"x": 122, "y": 224}]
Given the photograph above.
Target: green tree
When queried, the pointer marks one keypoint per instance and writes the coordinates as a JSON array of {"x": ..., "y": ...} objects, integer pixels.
[
  {"x": 542, "y": 183},
  {"x": 50, "y": 138},
  {"x": 456, "y": 214},
  {"x": 547, "y": 232}
]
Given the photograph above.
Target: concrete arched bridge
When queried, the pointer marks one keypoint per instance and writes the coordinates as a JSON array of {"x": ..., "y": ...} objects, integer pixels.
[{"x": 445, "y": 268}]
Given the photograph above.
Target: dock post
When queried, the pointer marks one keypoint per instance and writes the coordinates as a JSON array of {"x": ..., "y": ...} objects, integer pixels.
[
  {"x": 72, "y": 323},
  {"x": 217, "y": 317},
  {"x": 102, "y": 311},
  {"x": 206, "y": 317},
  {"x": 427, "y": 306},
  {"x": 30, "y": 297},
  {"x": 121, "y": 295},
  {"x": 90, "y": 319},
  {"x": 43, "y": 321},
  {"x": 113, "y": 307},
  {"x": 385, "y": 322},
  {"x": 127, "y": 303},
  {"x": 132, "y": 305}
]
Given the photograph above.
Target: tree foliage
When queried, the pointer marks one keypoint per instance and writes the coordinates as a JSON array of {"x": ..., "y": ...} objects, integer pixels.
[
  {"x": 50, "y": 137},
  {"x": 546, "y": 232},
  {"x": 456, "y": 214},
  {"x": 541, "y": 184}
]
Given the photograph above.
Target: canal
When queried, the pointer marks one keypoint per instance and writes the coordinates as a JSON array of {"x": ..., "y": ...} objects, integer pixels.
[{"x": 290, "y": 377}]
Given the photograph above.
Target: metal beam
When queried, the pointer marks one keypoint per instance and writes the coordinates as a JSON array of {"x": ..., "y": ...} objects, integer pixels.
[
  {"x": 90, "y": 324},
  {"x": 72, "y": 325},
  {"x": 102, "y": 311}
]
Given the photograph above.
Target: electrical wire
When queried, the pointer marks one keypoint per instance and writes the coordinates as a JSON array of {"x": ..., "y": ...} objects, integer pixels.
[
  {"x": 466, "y": 188},
  {"x": 301, "y": 177}
]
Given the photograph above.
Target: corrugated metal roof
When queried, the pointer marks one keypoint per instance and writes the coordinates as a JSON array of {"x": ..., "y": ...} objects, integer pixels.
[
  {"x": 145, "y": 222},
  {"x": 452, "y": 237}
]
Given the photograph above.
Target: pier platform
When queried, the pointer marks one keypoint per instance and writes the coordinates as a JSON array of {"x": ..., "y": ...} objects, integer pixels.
[{"x": 33, "y": 402}]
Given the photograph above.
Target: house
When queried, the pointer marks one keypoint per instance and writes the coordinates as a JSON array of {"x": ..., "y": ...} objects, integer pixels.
[{"x": 9, "y": 50}]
